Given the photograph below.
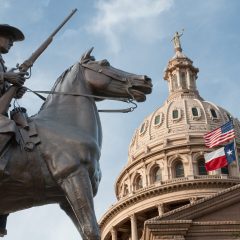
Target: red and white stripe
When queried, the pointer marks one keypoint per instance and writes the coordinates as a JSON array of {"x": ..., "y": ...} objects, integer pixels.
[
  {"x": 215, "y": 160},
  {"x": 216, "y": 137}
]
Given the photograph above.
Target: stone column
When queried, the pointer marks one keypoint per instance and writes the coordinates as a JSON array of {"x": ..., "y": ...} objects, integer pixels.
[
  {"x": 165, "y": 169},
  {"x": 194, "y": 81},
  {"x": 114, "y": 233},
  {"x": 145, "y": 176},
  {"x": 134, "y": 233},
  {"x": 178, "y": 78},
  {"x": 189, "y": 84},
  {"x": 193, "y": 200},
  {"x": 190, "y": 172},
  {"x": 170, "y": 78},
  {"x": 160, "y": 209}
]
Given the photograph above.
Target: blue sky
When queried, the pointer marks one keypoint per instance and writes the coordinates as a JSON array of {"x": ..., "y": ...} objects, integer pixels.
[{"x": 134, "y": 36}]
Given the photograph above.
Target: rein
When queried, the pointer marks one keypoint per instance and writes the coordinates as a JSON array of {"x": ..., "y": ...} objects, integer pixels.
[
  {"x": 106, "y": 73},
  {"x": 124, "y": 110}
]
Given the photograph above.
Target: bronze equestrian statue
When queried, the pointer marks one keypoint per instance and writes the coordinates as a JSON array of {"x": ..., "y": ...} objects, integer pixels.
[{"x": 63, "y": 167}]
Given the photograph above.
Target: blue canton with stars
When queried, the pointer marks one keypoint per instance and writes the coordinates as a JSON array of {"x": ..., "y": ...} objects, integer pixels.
[{"x": 230, "y": 154}]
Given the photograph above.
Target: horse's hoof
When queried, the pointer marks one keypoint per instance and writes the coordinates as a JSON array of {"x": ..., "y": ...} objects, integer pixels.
[{"x": 3, "y": 232}]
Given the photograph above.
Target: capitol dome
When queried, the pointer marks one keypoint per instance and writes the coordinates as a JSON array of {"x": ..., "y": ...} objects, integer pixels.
[
  {"x": 165, "y": 168},
  {"x": 184, "y": 117}
]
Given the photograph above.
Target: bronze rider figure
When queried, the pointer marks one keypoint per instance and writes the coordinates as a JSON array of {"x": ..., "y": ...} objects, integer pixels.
[{"x": 8, "y": 35}]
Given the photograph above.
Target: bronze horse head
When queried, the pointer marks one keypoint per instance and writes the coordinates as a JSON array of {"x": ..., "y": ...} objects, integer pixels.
[
  {"x": 111, "y": 82},
  {"x": 64, "y": 167}
]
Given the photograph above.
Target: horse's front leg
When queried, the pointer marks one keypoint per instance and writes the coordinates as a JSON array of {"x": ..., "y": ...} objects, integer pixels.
[
  {"x": 78, "y": 190},
  {"x": 66, "y": 207}
]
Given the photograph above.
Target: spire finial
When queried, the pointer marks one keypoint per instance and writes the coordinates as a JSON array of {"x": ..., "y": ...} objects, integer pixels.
[{"x": 176, "y": 41}]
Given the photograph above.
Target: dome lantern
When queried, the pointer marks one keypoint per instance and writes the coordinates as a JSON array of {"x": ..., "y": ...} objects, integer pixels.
[{"x": 180, "y": 72}]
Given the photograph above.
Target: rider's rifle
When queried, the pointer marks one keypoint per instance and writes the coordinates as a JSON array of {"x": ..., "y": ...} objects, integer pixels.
[{"x": 7, "y": 97}]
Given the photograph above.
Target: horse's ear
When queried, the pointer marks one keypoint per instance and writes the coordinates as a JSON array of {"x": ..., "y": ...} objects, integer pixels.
[{"x": 87, "y": 56}]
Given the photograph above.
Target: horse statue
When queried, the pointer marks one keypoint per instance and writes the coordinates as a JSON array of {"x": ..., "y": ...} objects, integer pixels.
[{"x": 64, "y": 167}]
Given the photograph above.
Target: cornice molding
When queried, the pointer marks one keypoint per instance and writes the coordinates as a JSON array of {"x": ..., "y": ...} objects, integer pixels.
[
  {"x": 203, "y": 206},
  {"x": 152, "y": 191}
]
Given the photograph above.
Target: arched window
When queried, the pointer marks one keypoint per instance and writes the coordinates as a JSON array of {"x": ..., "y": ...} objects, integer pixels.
[
  {"x": 138, "y": 182},
  {"x": 125, "y": 190},
  {"x": 156, "y": 175},
  {"x": 224, "y": 170},
  {"x": 183, "y": 80},
  {"x": 179, "y": 169},
  {"x": 174, "y": 82},
  {"x": 201, "y": 167},
  {"x": 192, "y": 79}
]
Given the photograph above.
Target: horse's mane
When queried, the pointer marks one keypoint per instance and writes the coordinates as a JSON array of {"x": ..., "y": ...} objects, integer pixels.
[{"x": 59, "y": 80}]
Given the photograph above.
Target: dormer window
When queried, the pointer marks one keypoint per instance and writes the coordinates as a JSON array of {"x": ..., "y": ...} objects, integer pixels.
[
  {"x": 158, "y": 119},
  {"x": 229, "y": 116},
  {"x": 143, "y": 128},
  {"x": 196, "y": 113},
  {"x": 213, "y": 114},
  {"x": 176, "y": 115}
]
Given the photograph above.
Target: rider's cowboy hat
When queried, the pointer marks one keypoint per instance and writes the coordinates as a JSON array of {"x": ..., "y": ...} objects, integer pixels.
[{"x": 12, "y": 31}]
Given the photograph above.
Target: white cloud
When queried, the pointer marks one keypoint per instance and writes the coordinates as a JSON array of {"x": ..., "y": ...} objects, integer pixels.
[{"x": 115, "y": 17}]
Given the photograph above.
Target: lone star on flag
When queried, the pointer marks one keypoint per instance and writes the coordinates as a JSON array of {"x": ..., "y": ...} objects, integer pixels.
[{"x": 229, "y": 152}]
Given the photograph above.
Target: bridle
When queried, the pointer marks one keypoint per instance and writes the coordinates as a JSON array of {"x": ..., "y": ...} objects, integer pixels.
[
  {"x": 112, "y": 75},
  {"x": 106, "y": 72}
]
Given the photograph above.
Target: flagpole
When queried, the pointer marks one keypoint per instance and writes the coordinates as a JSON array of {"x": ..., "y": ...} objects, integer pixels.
[{"x": 235, "y": 146}]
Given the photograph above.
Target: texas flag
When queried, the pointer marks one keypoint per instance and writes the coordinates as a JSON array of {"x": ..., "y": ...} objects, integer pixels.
[{"x": 220, "y": 158}]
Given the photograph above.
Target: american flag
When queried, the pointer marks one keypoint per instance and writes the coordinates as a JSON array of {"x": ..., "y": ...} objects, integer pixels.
[{"x": 220, "y": 135}]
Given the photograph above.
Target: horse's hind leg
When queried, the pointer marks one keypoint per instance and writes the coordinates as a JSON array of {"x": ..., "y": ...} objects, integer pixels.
[
  {"x": 66, "y": 207},
  {"x": 78, "y": 189}
]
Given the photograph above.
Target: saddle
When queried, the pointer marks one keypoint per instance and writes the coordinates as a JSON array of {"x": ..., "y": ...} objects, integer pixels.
[
  {"x": 19, "y": 128},
  {"x": 26, "y": 134}
]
